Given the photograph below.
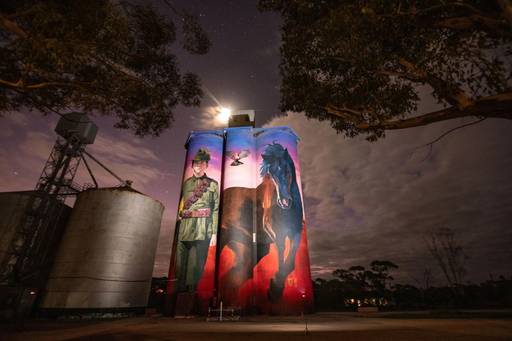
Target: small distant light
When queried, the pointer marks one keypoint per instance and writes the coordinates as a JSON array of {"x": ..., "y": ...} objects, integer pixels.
[
  {"x": 32, "y": 293},
  {"x": 159, "y": 291}
]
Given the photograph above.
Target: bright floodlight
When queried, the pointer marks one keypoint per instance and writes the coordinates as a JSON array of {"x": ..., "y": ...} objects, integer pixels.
[{"x": 224, "y": 114}]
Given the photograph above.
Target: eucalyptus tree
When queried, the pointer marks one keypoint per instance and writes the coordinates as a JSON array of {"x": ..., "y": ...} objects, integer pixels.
[
  {"x": 361, "y": 64},
  {"x": 108, "y": 57}
]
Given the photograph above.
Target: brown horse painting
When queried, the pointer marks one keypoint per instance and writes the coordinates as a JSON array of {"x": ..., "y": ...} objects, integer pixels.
[
  {"x": 235, "y": 243},
  {"x": 276, "y": 219},
  {"x": 282, "y": 214}
]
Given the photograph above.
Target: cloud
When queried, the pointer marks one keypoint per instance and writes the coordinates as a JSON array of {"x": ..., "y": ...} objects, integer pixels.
[
  {"x": 23, "y": 160},
  {"x": 36, "y": 145},
  {"x": 207, "y": 119},
  {"x": 129, "y": 159},
  {"x": 122, "y": 151},
  {"x": 17, "y": 118},
  {"x": 367, "y": 201}
]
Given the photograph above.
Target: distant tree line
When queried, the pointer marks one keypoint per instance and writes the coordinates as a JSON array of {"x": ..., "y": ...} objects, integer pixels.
[{"x": 358, "y": 287}]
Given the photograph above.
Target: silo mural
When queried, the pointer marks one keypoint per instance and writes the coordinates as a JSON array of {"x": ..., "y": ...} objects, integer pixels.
[
  {"x": 193, "y": 259},
  {"x": 263, "y": 262},
  {"x": 237, "y": 228},
  {"x": 282, "y": 274}
]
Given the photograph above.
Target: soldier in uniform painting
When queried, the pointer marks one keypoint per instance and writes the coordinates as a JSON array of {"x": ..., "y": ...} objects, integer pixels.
[{"x": 198, "y": 217}]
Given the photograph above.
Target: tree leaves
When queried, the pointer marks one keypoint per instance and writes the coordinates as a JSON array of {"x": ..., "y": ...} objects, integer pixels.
[
  {"x": 360, "y": 64},
  {"x": 195, "y": 39},
  {"x": 109, "y": 58},
  {"x": 363, "y": 282}
]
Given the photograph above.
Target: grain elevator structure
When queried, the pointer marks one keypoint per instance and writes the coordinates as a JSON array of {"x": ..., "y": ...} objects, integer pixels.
[{"x": 93, "y": 258}]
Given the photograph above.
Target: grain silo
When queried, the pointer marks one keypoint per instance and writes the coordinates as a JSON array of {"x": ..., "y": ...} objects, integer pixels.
[
  {"x": 13, "y": 206},
  {"x": 105, "y": 260},
  {"x": 25, "y": 253},
  {"x": 241, "y": 219},
  {"x": 13, "y": 211}
]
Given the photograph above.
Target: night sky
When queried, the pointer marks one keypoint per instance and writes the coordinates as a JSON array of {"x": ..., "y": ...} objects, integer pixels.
[{"x": 364, "y": 201}]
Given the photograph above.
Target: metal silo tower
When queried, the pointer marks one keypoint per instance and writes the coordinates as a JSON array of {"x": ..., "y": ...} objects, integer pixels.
[{"x": 28, "y": 254}]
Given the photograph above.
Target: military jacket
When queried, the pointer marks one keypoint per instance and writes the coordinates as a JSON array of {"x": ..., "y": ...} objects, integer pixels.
[{"x": 200, "y": 196}]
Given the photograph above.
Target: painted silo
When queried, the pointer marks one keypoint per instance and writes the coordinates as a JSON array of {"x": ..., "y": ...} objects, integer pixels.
[
  {"x": 262, "y": 262},
  {"x": 192, "y": 266},
  {"x": 236, "y": 230},
  {"x": 106, "y": 257},
  {"x": 282, "y": 273}
]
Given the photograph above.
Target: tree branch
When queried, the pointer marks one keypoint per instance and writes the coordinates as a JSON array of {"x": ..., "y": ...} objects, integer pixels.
[
  {"x": 19, "y": 14},
  {"x": 431, "y": 143},
  {"x": 116, "y": 67},
  {"x": 347, "y": 114},
  {"x": 17, "y": 84},
  {"x": 451, "y": 4},
  {"x": 174, "y": 9},
  {"x": 457, "y": 97},
  {"x": 39, "y": 105},
  {"x": 466, "y": 22},
  {"x": 506, "y": 10},
  {"x": 471, "y": 18},
  {"x": 451, "y": 131},
  {"x": 412, "y": 69},
  {"x": 413, "y": 73},
  {"x": 11, "y": 26},
  {"x": 21, "y": 85},
  {"x": 497, "y": 106},
  {"x": 47, "y": 84}
]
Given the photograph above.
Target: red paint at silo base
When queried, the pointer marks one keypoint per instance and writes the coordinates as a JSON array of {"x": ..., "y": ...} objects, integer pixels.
[
  {"x": 206, "y": 285},
  {"x": 298, "y": 291},
  {"x": 252, "y": 294}
]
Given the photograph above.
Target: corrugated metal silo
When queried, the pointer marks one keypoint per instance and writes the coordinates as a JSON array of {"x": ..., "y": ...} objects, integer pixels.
[
  {"x": 13, "y": 206},
  {"x": 13, "y": 211},
  {"x": 25, "y": 259},
  {"x": 106, "y": 257}
]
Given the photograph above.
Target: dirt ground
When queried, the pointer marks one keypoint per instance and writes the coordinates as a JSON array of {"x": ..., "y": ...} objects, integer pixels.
[{"x": 333, "y": 326}]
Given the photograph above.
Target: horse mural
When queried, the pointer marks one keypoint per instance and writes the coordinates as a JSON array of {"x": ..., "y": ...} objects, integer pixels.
[{"x": 280, "y": 204}]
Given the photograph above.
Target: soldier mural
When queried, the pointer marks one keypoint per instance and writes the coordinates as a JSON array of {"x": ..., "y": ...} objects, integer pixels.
[
  {"x": 197, "y": 214},
  {"x": 261, "y": 262},
  {"x": 192, "y": 268}
]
